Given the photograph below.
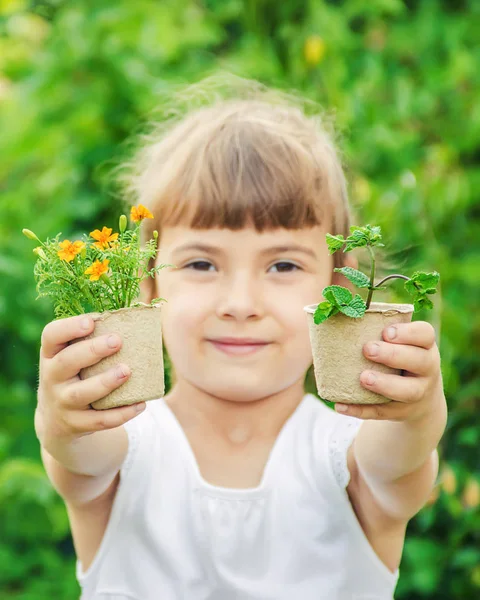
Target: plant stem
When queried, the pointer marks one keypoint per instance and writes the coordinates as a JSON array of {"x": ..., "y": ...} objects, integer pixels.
[
  {"x": 127, "y": 289},
  {"x": 73, "y": 299},
  {"x": 111, "y": 286},
  {"x": 122, "y": 274},
  {"x": 72, "y": 270},
  {"x": 372, "y": 276},
  {"x": 131, "y": 288},
  {"x": 134, "y": 274},
  {"x": 116, "y": 293},
  {"x": 87, "y": 293},
  {"x": 102, "y": 306},
  {"x": 395, "y": 276}
]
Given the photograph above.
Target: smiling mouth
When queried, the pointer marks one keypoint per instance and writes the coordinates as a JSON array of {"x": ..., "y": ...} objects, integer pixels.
[{"x": 238, "y": 349}]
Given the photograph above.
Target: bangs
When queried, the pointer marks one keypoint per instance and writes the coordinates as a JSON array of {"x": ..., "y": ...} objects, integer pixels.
[
  {"x": 239, "y": 163},
  {"x": 245, "y": 176},
  {"x": 242, "y": 163}
]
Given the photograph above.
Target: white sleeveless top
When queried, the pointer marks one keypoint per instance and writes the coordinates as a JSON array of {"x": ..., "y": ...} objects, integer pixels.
[{"x": 173, "y": 536}]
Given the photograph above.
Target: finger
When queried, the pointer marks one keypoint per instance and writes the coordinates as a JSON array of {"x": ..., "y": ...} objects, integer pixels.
[
  {"x": 402, "y": 388},
  {"x": 391, "y": 411},
  {"x": 83, "y": 392},
  {"x": 68, "y": 363},
  {"x": 91, "y": 420},
  {"x": 57, "y": 334},
  {"x": 408, "y": 358},
  {"x": 417, "y": 333}
]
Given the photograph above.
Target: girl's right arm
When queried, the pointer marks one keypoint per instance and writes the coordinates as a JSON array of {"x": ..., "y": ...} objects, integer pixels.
[{"x": 82, "y": 448}]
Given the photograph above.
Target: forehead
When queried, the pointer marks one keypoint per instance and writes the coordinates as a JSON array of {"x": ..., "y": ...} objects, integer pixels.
[{"x": 248, "y": 239}]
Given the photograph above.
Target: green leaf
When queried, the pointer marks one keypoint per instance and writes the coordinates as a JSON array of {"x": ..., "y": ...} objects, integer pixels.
[
  {"x": 323, "y": 311},
  {"x": 422, "y": 301},
  {"x": 334, "y": 242},
  {"x": 356, "y": 240},
  {"x": 422, "y": 282},
  {"x": 356, "y": 308},
  {"x": 337, "y": 295},
  {"x": 339, "y": 299},
  {"x": 370, "y": 235},
  {"x": 419, "y": 285},
  {"x": 374, "y": 235},
  {"x": 356, "y": 277}
]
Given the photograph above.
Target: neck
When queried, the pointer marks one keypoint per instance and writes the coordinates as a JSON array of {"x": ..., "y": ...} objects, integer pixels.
[{"x": 236, "y": 422}]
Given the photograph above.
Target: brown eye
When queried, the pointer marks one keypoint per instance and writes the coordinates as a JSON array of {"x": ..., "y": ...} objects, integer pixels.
[
  {"x": 194, "y": 266},
  {"x": 286, "y": 267}
]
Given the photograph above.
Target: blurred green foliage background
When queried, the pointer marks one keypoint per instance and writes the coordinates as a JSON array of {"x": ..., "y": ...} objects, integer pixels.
[{"x": 78, "y": 79}]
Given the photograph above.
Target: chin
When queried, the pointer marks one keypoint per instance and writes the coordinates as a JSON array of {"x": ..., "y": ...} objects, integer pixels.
[
  {"x": 234, "y": 389},
  {"x": 236, "y": 392}
]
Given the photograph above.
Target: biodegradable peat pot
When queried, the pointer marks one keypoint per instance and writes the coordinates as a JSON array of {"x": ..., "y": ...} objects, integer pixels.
[
  {"x": 141, "y": 333},
  {"x": 337, "y": 348}
]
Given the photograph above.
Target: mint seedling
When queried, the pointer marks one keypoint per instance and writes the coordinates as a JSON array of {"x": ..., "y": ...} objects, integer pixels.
[{"x": 340, "y": 299}]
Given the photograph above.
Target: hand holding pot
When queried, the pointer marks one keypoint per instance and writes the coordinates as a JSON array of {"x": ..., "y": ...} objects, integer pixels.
[
  {"x": 63, "y": 412},
  {"x": 410, "y": 347}
]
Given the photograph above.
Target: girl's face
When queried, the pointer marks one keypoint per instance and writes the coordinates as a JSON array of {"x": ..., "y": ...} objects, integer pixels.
[{"x": 240, "y": 284}]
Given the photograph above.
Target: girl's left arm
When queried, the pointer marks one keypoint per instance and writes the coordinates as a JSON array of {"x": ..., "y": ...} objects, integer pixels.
[{"x": 394, "y": 451}]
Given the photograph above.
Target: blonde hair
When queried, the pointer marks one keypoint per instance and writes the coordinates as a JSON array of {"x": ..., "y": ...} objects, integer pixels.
[{"x": 228, "y": 152}]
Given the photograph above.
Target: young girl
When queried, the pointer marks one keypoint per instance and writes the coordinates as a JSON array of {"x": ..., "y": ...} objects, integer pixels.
[{"x": 238, "y": 484}]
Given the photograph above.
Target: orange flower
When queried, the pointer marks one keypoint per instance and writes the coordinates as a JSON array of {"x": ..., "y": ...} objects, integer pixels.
[
  {"x": 103, "y": 237},
  {"x": 70, "y": 249},
  {"x": 97, "y": 269},
  {"x": 138, "y": 213}
]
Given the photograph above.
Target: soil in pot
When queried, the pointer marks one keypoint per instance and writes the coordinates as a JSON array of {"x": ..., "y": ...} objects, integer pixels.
[
  {"x": 337, "y": 349},
  {"x": 141, "y": 333}
]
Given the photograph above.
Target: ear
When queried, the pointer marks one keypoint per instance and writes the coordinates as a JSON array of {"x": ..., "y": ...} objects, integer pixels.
[{"x": 338, "y": 279}]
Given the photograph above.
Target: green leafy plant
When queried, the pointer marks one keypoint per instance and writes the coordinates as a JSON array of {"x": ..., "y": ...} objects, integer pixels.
[
  {"x": 339, "y": 299},
  {"x": 101, "y": 272}
]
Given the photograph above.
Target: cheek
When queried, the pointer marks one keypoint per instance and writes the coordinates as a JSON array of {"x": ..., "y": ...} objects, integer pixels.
[
  {"x": 287, "y": 307},
  {"x": 182, "y": 319},
  {"x": 292, "y": 329},
  {"x": 288, "y": 311}
]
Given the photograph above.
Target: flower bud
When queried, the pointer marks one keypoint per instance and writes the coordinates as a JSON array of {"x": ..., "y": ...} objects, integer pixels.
[
  {"x": 155, "y": 235},
  {"x": 40, "y": 253},
  {"x": 122, "y": 223},
  {"x": 83, "y": 253},
  {"x": 105, "y": 278},
  {"x": 30, "y": 235}
]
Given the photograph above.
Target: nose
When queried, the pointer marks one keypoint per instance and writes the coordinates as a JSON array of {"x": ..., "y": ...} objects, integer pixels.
[{"x": 240, "y": 298}]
